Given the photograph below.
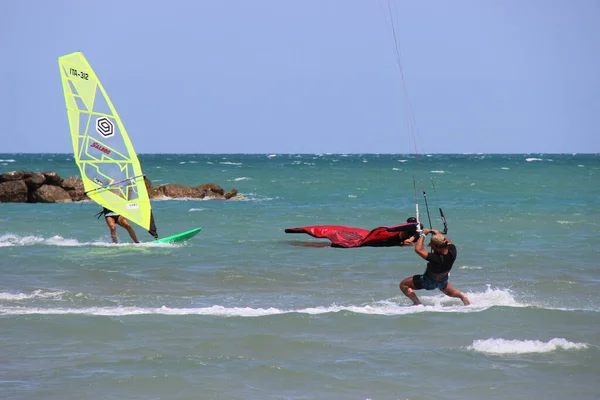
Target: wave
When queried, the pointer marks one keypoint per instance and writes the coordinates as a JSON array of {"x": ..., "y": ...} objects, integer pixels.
[
  {"x": 9, "y": 240},
  {"x": 36, "y": 294},
  {"x": 230, "y": 163},
  {"x": 469, "y": 267},
  {"x": 435, "y": 303},
  {"x": 505, "y": 346},
  {"x": 438, "y": 303},
  {"x": 221, "y": 311},
  {"x": 254, "y": 197}
]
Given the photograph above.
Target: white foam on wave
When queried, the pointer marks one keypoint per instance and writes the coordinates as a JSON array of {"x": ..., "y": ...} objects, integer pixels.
[
  {"x": 253, "y": 197},
  {"x": 10, "y": 239},
  {"x": 36, "y": 294},
  {"x": 493, "y": 297},
  {"x": 396, "y": 306},
  {"x": 16, "y": 240},
  {"x": 438, "y": 172},
  {"x": 533, "y": 159},
  {"x": 230, "y": 163},
  {"x": 243, "y": 178},
  {"x": 506, "y": 346},
  {"x": 216, "y": 310},
  {"x": 469, "y": 267}
]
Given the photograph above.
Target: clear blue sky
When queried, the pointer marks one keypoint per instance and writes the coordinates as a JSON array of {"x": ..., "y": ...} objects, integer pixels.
[{"x": 311, "y": 76}]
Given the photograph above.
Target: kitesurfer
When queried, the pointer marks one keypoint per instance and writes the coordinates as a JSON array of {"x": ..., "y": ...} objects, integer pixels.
[
  {"x": 112, "y": 220},
  {"x": 439, "y": 264},
  {"x": 409, "y": 237}
]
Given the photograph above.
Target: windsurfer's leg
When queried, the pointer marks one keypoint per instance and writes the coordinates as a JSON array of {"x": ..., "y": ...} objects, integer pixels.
[
  {"x": 407, "y": 286},
  {"x": 125, "y": 224},
  {"x": 110, "y": 221},
  {"x": 449, "y": 290}
]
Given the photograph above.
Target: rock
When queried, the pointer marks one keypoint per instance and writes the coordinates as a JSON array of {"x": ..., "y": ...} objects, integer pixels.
[
  {"x": 232, "y": 193},
  {"x": 74, "y": 186},
  {"x": 178, "y": 191},
  {"x": 72, "y": 183},
  {"x": 52, "y": 178},
  {"x": 211, "y": 190},
  {"x": 33, "y": 180},
  {"x": 156, "y": 192},
  {"x": 78, "y": 195},
  {"x": 13, "y": 192},
  {"x": 12, "y": 176},
  {"x": 50, "y": 194},
  {"x": 49, "y": 187}
]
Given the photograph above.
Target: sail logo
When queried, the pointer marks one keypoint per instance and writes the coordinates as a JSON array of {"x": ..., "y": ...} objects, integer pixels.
[
  {"x": 105, "y": 127},
  {"x": 100, "y": 147}
]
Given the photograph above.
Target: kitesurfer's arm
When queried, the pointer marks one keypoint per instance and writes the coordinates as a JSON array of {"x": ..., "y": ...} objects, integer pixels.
[{"x": 419, "y": 248}]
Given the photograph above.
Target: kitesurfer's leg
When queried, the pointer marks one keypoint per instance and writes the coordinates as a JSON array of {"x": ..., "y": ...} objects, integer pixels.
[
  {"x": 110, "y": 221},
  {"x": 449, "y": 290},
  {"x": 407, "y": 286},
  {"x": 125, "y": 224}
]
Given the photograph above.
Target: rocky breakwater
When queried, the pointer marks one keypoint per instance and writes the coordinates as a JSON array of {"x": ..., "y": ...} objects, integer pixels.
[{"x": 49, "y": 187}]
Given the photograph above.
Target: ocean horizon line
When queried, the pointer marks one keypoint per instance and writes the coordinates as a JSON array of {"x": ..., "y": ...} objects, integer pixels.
[{"x": 326, "y": 153}]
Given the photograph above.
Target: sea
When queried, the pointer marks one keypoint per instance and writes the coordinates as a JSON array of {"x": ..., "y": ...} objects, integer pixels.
[{"x": 246, "y": 311}]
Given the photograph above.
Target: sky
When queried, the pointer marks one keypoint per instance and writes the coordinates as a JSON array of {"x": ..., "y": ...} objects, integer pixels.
[{"x": 311, "y": 76}]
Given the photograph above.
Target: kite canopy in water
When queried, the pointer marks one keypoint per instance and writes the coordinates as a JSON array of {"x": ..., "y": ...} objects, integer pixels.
[{"x": 345, "y": 236}]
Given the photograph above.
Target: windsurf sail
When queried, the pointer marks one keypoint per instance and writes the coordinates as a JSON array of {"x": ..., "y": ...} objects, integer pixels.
[
  {"x": 347, "y": 237},
  {"x": 110, "y": 169}
]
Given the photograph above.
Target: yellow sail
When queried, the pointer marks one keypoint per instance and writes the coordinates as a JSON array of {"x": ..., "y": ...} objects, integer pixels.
[{"x": 110, "y": 170}]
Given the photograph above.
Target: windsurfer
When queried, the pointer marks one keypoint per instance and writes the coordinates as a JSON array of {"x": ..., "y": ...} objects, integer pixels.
[
  {"x": 112, "y": 220},
  {"x": 439, "y": 264}
]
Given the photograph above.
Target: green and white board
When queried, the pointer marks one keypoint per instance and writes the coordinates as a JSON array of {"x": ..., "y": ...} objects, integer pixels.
[{"x": 180, "y": 237}]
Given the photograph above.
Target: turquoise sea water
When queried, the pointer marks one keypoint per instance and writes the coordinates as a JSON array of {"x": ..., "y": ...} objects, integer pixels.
[{"x": 245, "y": 311}]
